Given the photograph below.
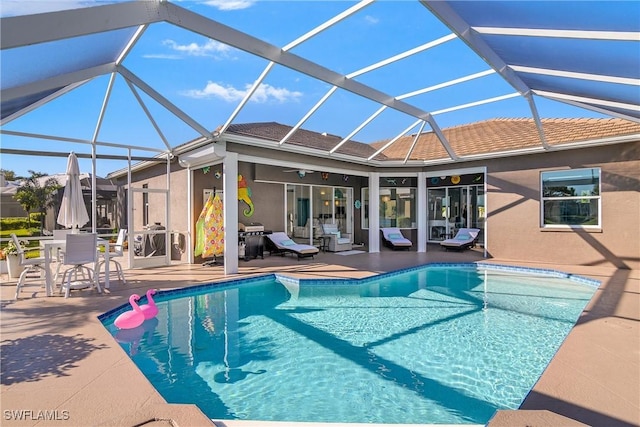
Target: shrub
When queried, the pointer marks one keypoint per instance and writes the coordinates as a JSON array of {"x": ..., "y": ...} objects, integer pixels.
[{"x": 13, "y": 223}]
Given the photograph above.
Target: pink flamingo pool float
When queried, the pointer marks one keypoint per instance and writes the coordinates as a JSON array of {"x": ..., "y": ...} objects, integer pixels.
[
  {"x": 132, "y": 318},
  {"x": 150, "y": 310}
]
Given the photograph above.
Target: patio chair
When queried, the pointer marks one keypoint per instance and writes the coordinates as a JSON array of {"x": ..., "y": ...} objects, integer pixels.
[
  {"x": 392, "y": 237},
  {"x": 30, "y": 265},
  {"x": 337, "y": 241},
  {"x": 116, "y": 251},
  {"x": 282, "y": 244},
  {"x": 60, "y": 235},
  {"x": 465, "y": 238},
  {"x": 80, "y": 249}
]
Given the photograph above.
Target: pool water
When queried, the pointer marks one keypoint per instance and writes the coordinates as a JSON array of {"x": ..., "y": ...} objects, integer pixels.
[{"x": 434, "y": 345}]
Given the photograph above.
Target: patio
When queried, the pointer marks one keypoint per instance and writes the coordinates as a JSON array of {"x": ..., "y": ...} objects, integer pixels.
[{"x": 56, "y": 356}]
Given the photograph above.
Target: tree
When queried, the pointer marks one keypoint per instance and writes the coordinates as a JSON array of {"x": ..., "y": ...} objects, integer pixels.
[
  {"x": 9, "y": 175},
  {"x": 36, "y": 193}
]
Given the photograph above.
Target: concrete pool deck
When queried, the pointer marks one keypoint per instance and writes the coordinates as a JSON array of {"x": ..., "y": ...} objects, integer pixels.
[{"x": 61, "y": 367}]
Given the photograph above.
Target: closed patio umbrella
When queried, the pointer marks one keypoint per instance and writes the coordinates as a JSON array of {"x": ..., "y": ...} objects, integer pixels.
[{"x": 73, "y": 212}]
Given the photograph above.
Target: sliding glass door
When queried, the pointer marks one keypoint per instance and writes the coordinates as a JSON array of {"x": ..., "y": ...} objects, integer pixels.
[
  {"x": 451, "y": 206},
  {"x": 311, "y": 206}
]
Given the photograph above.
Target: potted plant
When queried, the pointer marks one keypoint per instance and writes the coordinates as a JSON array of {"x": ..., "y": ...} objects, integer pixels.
[
  {"x": 13, "y": 260},
  {"x": 3, "y": 262}
]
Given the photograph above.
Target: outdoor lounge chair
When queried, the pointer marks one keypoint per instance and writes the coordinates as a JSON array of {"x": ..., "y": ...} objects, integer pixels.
[
  {"x": 465, "y": 238},
  {"x": 283, "y": 244},
  {"x": 393, "y": 238}
]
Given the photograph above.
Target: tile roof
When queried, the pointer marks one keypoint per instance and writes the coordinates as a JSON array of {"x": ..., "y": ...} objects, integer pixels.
[
  {"x": 485, "y": 137},
  {"x": 304, "y": 138},
  {"x": 496, "y": 135}
]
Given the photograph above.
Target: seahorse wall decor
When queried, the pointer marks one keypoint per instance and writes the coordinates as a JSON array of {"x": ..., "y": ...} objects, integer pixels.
[{"x": 244, "y": 194}]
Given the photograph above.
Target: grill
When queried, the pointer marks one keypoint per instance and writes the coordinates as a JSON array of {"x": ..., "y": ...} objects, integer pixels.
[{"x": 251, "y": 236}]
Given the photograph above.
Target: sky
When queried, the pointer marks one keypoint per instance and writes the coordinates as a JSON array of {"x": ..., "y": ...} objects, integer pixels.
[{"x": 208, "y": 80}]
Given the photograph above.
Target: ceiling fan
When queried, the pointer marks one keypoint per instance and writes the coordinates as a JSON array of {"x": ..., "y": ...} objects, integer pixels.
[{"x": 301, "y": 172}]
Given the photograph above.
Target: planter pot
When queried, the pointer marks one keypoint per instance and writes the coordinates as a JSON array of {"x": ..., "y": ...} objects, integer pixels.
[
  {"x": 15, "y": 269},
  {"x": 3, "y": 266}
]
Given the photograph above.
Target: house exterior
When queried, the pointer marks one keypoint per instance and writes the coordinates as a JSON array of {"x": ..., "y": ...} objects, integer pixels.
[
  {"x": 106, "y": 201},
  {"x": 559, "y": 198}
]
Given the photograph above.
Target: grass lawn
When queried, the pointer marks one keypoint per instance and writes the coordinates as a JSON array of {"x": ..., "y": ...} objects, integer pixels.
[{"x": 21, "y": 233}]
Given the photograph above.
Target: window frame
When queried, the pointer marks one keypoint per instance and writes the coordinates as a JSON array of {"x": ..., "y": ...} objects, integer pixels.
[{"x": 544, "y": 199}]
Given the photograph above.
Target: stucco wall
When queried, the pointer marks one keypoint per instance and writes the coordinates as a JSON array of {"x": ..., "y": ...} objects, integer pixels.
[{"x": 513, "y": 206}]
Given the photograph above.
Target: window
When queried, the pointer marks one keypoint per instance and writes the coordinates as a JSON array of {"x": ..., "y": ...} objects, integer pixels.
[
  {"x": 397, "y": 207},
  {"x": 571, "y": 198}
]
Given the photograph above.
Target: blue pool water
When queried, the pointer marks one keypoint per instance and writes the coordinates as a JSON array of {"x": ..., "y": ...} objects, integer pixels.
[{"x": 432, "y": 345}]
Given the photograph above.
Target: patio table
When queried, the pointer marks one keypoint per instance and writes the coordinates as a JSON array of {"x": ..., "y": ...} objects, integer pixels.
[{"x": 50, "y": 245}]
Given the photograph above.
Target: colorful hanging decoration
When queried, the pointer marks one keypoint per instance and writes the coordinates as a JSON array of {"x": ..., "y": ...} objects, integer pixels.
[
  {"x": 210, "y": 228},
  {"x": 325, "y": 175},
  {"x": 244, "y": 195},
  {"x": 455, "y": 179},
  {"x": 218, "y": 174},
  {"x": 345, "y": 178},
  {"x": 206, "y": 169}
]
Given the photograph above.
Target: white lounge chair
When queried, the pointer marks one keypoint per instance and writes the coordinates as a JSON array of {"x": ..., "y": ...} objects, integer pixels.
[
  {"x": 393, "y": 238},
  {"x": 283, "y": 244},
  {"x": 465, "y": 238}
]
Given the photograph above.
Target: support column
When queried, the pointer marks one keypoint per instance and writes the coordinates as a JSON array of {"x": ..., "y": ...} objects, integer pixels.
[
  {"x": 230, "y": 185},
  {"x": 422, "y": 211},
  {"x": 374, "y": 212}
]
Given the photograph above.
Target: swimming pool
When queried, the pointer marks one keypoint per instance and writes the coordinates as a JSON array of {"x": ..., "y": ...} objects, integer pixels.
[{"x": 440, "y": 344}]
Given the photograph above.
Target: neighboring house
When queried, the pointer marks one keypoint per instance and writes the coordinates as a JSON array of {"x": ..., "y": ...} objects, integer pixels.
[
  {"x": 106, "y": 202},
  {"x": 9, "y": 207},
  {"x": 570, "y": 199}
]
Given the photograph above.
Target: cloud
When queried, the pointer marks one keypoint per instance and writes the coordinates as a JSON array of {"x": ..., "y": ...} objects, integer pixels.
[
  {"x": 371, "y": 19},
  {"x": 30, "y": 7},
  {"x": 230, "y": 4},
  {"x": 161, "y": 56},
  {"x": 211, "y": 48},
  {"x": 265, "y": 93}
]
